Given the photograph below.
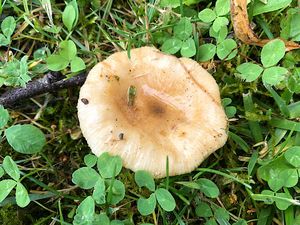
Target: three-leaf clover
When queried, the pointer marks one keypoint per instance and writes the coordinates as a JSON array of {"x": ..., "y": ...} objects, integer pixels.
[
  {"x": 146, "y": 206},
  {"x": 66, "y": 56},
  {"x": 216, "y": 16},
  {"x": 11, "y": 169},
  {"x": 271, "y": 54},
  {"x": 106, "y": 188},
  {"x": 225, "y": 48},
  {"x": 181, "y": 39},
  {"x": 282, "y": 171}
]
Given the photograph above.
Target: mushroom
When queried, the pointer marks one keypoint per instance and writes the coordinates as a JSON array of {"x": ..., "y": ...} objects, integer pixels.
[{"x": 150, "y": 107}]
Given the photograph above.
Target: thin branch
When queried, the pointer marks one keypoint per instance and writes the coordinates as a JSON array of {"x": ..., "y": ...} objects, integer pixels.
[{"x": 51, "y": 82}]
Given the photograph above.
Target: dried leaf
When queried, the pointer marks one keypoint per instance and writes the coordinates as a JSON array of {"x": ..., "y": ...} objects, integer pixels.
[{"x": 243, "y": 31}]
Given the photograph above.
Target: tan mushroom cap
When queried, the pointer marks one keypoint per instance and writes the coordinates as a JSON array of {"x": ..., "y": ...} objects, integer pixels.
[{"x": 176, "y": 111}]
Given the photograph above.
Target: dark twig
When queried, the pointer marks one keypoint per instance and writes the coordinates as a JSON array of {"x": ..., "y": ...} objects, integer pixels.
[{"x": 49, "y": 83}]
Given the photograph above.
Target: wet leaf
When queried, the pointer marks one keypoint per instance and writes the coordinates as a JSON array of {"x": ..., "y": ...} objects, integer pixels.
[
  {"x": 165, "y": 199},
  {"x": 144, "y": 179},
  {"x": 146, "y": 206}
]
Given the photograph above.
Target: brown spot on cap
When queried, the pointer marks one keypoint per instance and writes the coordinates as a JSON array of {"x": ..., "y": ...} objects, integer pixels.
[{"x": 85, "y": 101}]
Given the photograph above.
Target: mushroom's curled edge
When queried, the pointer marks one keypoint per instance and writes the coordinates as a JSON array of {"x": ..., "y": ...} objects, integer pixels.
[{"x": 152, "y": 106}]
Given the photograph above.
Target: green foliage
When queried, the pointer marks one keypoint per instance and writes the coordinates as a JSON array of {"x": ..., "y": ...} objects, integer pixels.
[
  {"x": 207, "y": 15},
  {"x": 293, "y": 156},
  {"x": 85, "y": 212},
  {"x": 26, "y": 139},
  {"x": 249, "y": 71},
  {"x": 271, "y": 5},
  {"x": 7, "y": 185},
  {"x": 188, "y": 48},
  {"x": 106, "y": 189},
  {"x": 279, "y": 173},
  {"x": 146, "y": 206},
  {"x": 225, "y": 49},
  {"x": 206, "y": 52},
  {"x": 66, "y": 56},
  {"x": 22, "y": 197},
  {"x": 80, "y": 177},
  {"x": 183, "y": 29},
  {"x": 216, "y": 16},
  {"x": 282, "y": 200},
  {"x": 271, "y": 54},
  {"x": 11, "y": 168},
  {"x": 70, "y": 15},
  {"x": 181, "y": 39},
  {"x": 99, "y": 191},
  {"x": 171, "y": 45},
  {"x": 290, "y": 25},
  {"x": 176, "y": 3},
  {"x": 203, "y": 210},
  {"x": 4, "y": 117},
  {"x": 209, "y": 188},
  {"x": 282, "y": 172},
  {"x": 109, "y": 166},
  {"x": 165, "y": 199},
  {"x": 14, "y": 73},
  {"x": 116, "y": 192},
  {"x": 222, "y": 216},
  {"x": 90, "y": 160},
  {"x": 219, "y": 23},
  {"x": 274, "y": 75},
  {"x": 8, "y": 27},
  {"x": 144, "y": 179},
  {"x": 212, "y": 214}
]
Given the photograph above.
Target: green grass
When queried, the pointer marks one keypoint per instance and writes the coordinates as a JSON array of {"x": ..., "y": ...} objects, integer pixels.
[{"x": 263, "y": 129}]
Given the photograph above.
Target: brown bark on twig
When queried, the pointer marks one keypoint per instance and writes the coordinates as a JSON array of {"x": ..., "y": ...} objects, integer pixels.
[
  {"x": 51, "y": 82},
  {"x": 242, "y": 29}
]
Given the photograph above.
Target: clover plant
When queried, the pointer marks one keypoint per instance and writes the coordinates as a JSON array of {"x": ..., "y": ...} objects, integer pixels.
[
  {"x": 281, "y": 173},
  {"x": 66, "y": 56},
  {"x": 181, "y": 40},
  {"x": 10, "y": 168},
  {"x": 272, "y": 74},
  {"x": 106, "y": 188},
  {"x": 162, "y": 196}
]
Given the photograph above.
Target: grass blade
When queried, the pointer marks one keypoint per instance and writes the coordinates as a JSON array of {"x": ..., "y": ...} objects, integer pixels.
[
  {"x": 285, "y": 124},
  {"x": 253, "y": 125},
  {"x": 279, "y": 101},
  {"x": 294, "y": 110},
  {"x": 237, "y": 139}
]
